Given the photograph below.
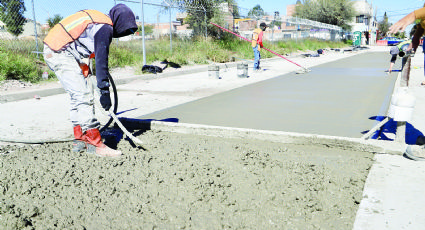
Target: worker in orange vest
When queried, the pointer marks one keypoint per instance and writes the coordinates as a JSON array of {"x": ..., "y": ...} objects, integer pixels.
[
  {"x": 257, "y": 44},
  {"x": 67, "y": 47}
]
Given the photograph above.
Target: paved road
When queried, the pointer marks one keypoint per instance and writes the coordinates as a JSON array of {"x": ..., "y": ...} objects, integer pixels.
[{"x": 336, "y": 98}]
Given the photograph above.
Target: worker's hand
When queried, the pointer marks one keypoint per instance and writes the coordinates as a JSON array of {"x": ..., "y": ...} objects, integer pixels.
[
  {"x": 402, "y": 23},
  {"x": 105, "y": 99}
]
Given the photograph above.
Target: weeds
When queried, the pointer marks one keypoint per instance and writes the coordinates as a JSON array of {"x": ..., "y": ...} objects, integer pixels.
[{"x": 17, "y": 60}]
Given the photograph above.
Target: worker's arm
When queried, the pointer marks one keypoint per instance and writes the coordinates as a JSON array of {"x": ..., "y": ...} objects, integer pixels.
[
  {"x": 393, "y": 59},
  {"x": 102, "y": 40},
  {"x": 402, "y": 23},
  {"x": 407, "y": 20}
]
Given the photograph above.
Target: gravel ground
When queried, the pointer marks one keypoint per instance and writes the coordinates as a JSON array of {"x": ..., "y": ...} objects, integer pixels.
[
  {"x": 14, "y": 84},
  {"x": 179, "y": 181}
]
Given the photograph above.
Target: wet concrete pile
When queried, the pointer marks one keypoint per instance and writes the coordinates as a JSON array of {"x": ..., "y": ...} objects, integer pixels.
[{"x": 182, "y": 182}]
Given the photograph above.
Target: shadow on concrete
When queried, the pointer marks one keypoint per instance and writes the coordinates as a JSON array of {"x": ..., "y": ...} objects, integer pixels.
[
  {"x": 114, "y": 135},
  {"x": 412, "y": 134}
]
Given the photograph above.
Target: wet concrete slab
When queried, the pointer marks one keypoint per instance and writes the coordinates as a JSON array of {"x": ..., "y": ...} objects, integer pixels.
[{"x": 336, "y": 98}]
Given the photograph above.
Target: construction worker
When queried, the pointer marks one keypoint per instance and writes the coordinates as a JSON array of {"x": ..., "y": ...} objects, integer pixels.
[
  {"x": 400, "y": 50},
  {"x": 257, "y": 44},
  {"x": 415, "y": 16},
  {"x": 67, "y": 47},
  {"x": 416, "y": 152}
]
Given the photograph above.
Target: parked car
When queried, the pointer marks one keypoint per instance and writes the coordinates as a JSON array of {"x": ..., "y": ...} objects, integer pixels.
[{"x": 392, "y": 41}]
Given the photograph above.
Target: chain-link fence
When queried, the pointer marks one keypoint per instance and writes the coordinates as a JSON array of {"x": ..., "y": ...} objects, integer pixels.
[{"x": 31, "y": 20}]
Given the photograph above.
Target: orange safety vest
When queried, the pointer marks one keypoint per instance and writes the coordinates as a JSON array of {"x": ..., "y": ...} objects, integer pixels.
[
  {"x": 257, "y": 38},
  {"x": 70, "y": 28}
]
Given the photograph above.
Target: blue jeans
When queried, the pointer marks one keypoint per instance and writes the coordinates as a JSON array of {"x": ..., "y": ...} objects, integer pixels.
[{"x": 257, "y": 57}]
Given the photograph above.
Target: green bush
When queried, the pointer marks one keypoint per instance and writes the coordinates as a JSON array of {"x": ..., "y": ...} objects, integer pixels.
[{"x": 18, "y": 62}]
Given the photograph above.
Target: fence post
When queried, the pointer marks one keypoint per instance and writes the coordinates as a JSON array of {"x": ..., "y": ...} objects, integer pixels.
[
  {"x": 205, "y": 19},
  {"x": 171, "y": 33},
  {"x": 35, "y": 27},
  {"x": 143, "y": 34}
]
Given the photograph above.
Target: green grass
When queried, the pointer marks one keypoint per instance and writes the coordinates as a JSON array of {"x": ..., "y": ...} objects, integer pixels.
[{"x": 17, "y": 61}]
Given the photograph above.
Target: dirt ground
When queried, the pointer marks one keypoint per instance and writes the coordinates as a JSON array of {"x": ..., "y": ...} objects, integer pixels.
[{"x": 182, "y": 181}]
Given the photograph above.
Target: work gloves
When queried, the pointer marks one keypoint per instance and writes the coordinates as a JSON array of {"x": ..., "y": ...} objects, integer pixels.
[{"x": 105, "y": 99}]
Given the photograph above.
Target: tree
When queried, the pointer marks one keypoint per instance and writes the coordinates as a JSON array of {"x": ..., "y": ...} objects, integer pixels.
[
  {"x": 384, "y": 26},
  {"x": 202, "y": 12},
  {"x": 256, "y": 12},
  {"x": 12, "y": 14},
  {"x": 336, "y": 12},
  {"x": 235, "y": 8},
  {"x": 199, "y": 13},
  {"x": 275, "y": 22},
  {"x": 55, "y": 20}
]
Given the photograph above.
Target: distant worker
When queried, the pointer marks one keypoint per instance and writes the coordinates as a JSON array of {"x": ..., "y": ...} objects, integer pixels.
[
  {"x": 417, "y": 151},
  {"x": 400, "y": 50},
  {"x": 68, "y": 46},
  {"x": 257, "y": 44}
]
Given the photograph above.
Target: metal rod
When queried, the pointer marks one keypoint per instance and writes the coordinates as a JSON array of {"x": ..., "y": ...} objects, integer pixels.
[{"x": 378, "y": 126}]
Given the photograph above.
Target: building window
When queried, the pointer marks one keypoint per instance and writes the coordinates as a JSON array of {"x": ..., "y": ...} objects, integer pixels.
[{"x": 360, "y": 19}]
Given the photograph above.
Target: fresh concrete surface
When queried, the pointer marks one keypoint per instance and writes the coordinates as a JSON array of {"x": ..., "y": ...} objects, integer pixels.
[
  {"x": 336, "y": 98},
  {"x": 392, "y": 194}
]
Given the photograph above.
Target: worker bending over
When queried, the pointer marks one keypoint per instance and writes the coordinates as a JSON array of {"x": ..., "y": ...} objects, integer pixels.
[
  {"x": 399, "y": 50},
  {"x": 68, "y": 46}
]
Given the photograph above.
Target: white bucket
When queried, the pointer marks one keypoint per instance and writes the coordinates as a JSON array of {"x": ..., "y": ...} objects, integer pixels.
[
  {"x": 214, "y": 71},
  {"x": 402, "y": 105}
]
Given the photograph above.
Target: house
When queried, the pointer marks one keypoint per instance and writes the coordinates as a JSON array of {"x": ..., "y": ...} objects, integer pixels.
[
  {"x": 29, "y": 29},
  {"x": 364, "y": 22},
  {"x": 4, "y": 34}
]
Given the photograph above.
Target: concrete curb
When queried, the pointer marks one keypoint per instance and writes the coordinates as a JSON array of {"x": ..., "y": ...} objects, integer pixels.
[{"x": 356, "y": 144}]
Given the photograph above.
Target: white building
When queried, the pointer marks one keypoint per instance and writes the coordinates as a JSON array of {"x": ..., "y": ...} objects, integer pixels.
[{"x": 364, "y": 21}]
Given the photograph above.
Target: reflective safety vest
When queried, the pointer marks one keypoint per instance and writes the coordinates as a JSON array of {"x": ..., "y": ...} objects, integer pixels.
[
  {"x": 70, "y": 28},
  {"x": 402, "y": 46},
  {"x": 257, "y": 38}
]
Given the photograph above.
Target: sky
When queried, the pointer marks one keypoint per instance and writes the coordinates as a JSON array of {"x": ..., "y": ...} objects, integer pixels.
[{"x": 396, "y": 9}]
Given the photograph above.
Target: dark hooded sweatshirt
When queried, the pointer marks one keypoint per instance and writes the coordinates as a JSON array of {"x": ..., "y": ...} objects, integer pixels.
[{"x": 124, "y": 23}]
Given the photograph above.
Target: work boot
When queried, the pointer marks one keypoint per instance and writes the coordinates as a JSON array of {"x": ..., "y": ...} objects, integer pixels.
[
  {"x": 96, "y": 146},
  {"x": 78, "y": 144},
  {"x": 415, "y": 152}
]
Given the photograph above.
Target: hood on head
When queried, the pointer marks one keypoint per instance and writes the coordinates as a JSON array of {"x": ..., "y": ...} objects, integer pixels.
[{"x": 123, "y": 19}]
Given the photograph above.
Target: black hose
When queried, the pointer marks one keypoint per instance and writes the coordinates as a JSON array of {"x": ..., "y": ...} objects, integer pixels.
[
  {"x": 114, "y": 89},
  {"x": 43, "y": 141}
]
